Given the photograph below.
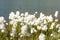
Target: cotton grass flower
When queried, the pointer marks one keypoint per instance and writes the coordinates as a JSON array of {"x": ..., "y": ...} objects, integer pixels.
[
  {"x": 50, "y": 18},
  {"x": 2, "y": 30},
  {"x": 45, "y": 21},
  {"x": 6, "y": 23},
  {"x": 26, "y": 14},
  {"x": 22, "y": 14},
  {"x": 11, "y": 15},
  {"x": 36, "y": 12},
  {"x": 41, "y": 15},
  {"x": 41, "y": 36},
  {"x": 33, "y": 30},
  {"x": 59, "y": 31},
  {"x": 11, "y": 22},
  {"x": 24, "y": 30},
  {"x": 44, "y": 27},
  {"x": 52, "y": 25},
  {"x": 51, "y": 35},
  {"x": 2, "y": 25},
  {"x": 11, "y": 34},
  {"x": 56, "y": 14},
  {"x": 56, "y": 20},
  {"x": 17, "y": 13},
  {"x": 39, "y": 27},
  {"x": 2, "y": 19},
  {"x": 58, "y": 25}
]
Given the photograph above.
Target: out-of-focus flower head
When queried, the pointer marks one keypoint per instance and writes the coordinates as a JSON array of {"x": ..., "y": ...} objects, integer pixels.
[
  {"x": 41, "y": 36},
  {"x": 26, "y": 14},
  {"x": 2, "y": 20},
  {"x": 12, "y": 15},
  {"x": 44, "y": 27},
  {"x": 33, "y": 30},
  {"x": 52, "y": 25},
  {"x": 56, "y": 14},
  {"x": 24, "y": 30},
  {"x": 2, "y": 25},
  {"x": 22, "y": 14},
  {"x": 41, "y": 15},
  {"x": 17, "y": 13},
  {"x": 39, "y": 27},
  {"x": 49, "y": 18}
]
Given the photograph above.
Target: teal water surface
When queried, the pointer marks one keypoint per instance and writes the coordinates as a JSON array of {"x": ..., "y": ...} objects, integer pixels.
[{"x": 46, "y": 6}]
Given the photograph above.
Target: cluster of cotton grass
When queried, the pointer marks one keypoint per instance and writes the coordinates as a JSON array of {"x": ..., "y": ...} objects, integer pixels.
[{"x": 24, "y": 26}]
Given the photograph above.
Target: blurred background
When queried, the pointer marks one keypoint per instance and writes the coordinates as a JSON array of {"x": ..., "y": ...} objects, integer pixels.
[{"x": 45, "y": 6}]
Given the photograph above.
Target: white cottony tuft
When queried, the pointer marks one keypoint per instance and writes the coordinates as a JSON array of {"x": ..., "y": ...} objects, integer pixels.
[
  {"x": 56, "y": 20},
  {"x": 2, "y": 30},
  {"x": 11, "y": 34},
  {"x": 59, "y": 31},
  {"x": 45, "y": 22},
  {"x": 50, "y": 18},
  {"x": 17, "y": 13},
  {"x": 44, "y": 27},
  {"x": 56, "y": 14},
  {"x": 6, "y": 23},
  {"x": 51, "y": 35},
  {"x": 2, "y": 19},
  {"x": 36, "y": 12},
  {"x": 11, "y": 15},
  {"x": 24, "y": 30},
  {"x": 22, "y": 14},
  {"x": 26, "y": 14},
  {"x": 52, "y": 25},
  {"x": 58, "y": 25},
  {"x": 41, "y": 15},
  {"x": 33, "y": 30},
  {"x": 2, "y": 25},
  {"x": 41, "y": 36},
  {"x": 39, "y": 27}
]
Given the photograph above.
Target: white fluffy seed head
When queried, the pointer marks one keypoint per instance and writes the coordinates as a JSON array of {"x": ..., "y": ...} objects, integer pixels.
[
  {"x": 12, "y": 34},
  {"x": 52, "y": 25},
  {"x": 44, "y": 27},
  {"x": 33, "y": 30},
  {"x": 2, "y": 19},
  {"x": 39, "y": 27},
  {"x": 22, "y": 14},
  {"x": 49, "y": 18},
  {"x": 41, "y": 14},
  {"x": 2, "y": 30},
  {"x": 26, "y": 14},
  {"x": 45, "y": 22},
  {"x": 56, "y": 14},
  {"x": 41, "y": 36},
  {"x": 11, "y": 22},
  {"x": 58, "y": 25},
  {"x": 56, "y": 20},
  {"x": 2, "y": 26},
  {"x": 59, "y": 31},
  {"x": 6, "y": 23},
  {"x": 51, "y": 35},
  {"x": 17, "y": 13},
  {"x": 36, "y": 12},
  {"x": 12, "y": 15},
  {"x": 24, "y": 30}
]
